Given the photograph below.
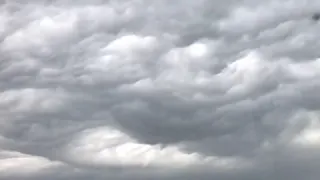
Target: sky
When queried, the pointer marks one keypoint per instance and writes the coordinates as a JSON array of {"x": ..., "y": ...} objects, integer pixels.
[{"x": 159, "y": 90}]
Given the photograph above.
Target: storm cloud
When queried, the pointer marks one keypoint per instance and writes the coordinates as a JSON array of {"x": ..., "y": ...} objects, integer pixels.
[{"x": 161, "y": 90}]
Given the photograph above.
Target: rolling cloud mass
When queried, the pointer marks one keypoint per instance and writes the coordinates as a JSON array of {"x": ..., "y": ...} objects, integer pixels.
[{"x": 159, "y": 90}]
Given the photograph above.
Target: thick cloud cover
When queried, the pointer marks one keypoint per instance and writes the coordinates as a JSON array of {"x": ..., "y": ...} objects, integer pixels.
[{"x": 159, "y": 89}]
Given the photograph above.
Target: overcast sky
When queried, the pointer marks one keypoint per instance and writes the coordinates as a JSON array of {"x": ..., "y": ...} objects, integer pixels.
[{"x": 159, "y": 90}]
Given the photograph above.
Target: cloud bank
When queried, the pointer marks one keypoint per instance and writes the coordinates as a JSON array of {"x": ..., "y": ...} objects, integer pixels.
[{"x": 162, "y": 90}]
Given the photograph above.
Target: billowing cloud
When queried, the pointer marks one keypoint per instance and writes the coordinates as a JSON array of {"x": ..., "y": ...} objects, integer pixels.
[{"x": 163, "y": 90}]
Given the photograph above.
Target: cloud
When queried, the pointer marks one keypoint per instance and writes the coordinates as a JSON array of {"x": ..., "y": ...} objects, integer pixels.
[{"x": 149, "y": 89}]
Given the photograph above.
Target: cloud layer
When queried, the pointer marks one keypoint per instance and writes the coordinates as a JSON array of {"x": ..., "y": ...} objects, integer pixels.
[{"x": 163, "y": 90}]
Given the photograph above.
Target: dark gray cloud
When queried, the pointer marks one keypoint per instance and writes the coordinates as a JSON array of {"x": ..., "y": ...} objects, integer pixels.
[{"x": 161, "y": 90}]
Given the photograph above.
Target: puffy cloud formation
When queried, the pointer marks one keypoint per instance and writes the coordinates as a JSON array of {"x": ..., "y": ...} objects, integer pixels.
[{"x": 162, "y": 90}]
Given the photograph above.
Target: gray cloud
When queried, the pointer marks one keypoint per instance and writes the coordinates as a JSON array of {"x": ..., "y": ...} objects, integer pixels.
[{"x": 149, "y": 89}]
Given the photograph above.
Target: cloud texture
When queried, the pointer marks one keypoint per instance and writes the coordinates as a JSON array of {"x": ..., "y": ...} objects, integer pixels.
[{"x": 161, "y": 90}]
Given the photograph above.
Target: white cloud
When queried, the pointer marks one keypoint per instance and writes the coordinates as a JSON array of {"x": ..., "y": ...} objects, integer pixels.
[
  {"x": 106, "y": 146},
  {"x": 15, "y": 164},
  {"x": 309, "y": 136},
  {"x": 109, "y": 146},
  {"x": 29, "y": 99}
]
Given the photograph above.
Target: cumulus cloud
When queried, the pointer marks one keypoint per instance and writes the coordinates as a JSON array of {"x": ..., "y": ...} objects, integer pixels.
[{"x": 147, "y": 89}]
